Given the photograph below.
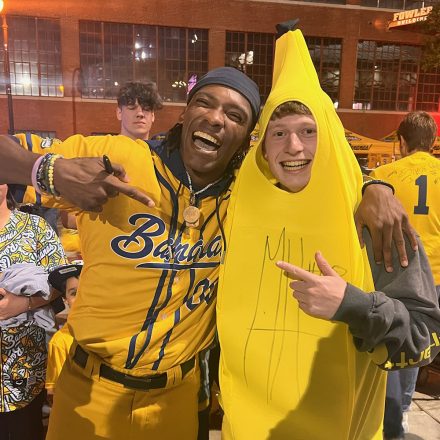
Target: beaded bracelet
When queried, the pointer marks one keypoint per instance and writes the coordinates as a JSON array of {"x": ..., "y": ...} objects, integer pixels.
[
  {"x": 50, "y": 175},
  {"x": 376, "y": 182},
  {"x": 45, "y": 174}
]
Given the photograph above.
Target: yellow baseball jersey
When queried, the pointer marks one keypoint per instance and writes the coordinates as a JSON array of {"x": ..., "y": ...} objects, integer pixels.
[
  {"x": 37, "y": 144},
  {"x": 57, "y": 352},
  {"x": 285, "y": 374},
  {"x": 146, "y": 297},
  {"x": 416, "y": 180}
]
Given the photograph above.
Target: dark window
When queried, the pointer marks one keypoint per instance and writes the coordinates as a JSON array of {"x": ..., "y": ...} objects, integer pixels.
[
  {"x": 386, "y": 76},
  {"x": 428, "y": 91},
  {"x": 114, "y": 53},
  {"x": 253, "y": 54},
  {"x": 34, "y": 57},
  {"x": 326, "y": 56}
]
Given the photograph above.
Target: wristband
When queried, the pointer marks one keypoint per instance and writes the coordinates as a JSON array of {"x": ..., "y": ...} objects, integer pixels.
[
  {"x": 34, "y": 174},
  {"x": 50, "y": 176},
  {"x": 376, "y": 182}
]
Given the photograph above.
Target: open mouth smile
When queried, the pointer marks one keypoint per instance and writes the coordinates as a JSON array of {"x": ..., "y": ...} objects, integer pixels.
[
  {"x": 205, "y": 141},
  {"x": 295, "y": 165}
]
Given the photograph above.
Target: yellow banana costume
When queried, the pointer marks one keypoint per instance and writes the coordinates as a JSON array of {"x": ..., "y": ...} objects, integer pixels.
[{"x": 284, "y": 374}]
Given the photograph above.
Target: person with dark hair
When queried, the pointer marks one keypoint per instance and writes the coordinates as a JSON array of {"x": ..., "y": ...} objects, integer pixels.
[
  {"x": 137, "y": 104},
  {"x": 416, "y": 179},
  {"x": 24, "y": 238},
  {"x": 417, "y": 132},
  {"x": 134, "y": 365}
]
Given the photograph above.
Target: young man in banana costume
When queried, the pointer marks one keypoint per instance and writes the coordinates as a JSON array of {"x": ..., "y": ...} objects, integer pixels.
[{"x": 311, "y": 366}]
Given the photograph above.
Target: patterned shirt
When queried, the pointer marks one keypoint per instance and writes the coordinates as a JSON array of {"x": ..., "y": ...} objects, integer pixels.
[{"x": 25, "y": 239}]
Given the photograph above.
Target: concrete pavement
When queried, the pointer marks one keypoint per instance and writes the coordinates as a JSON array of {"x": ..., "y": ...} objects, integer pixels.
[{"x": 423, "y": 419}]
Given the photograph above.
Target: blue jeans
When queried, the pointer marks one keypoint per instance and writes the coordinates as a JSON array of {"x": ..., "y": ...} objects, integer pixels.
[
  {"x": 408, "y": 379},
  {"x": 400, "y": 389},
  {"x": 392, "y": 422}
]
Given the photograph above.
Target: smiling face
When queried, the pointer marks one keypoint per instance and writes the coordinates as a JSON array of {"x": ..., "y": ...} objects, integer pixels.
[
  {"x": 216, "y": 124},
  {"x": 290, "y": 147},
  {"x": 136, "y": 121}
]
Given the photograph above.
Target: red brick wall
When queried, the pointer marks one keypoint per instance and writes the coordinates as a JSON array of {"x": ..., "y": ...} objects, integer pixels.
[
  {"x": 347, "y": 22},
  {"x": 375, "y": 125}
]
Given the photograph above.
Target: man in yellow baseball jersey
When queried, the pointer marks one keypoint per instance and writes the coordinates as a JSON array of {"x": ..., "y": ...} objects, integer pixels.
[
  {"x": 137, "y": 103},
  {"x": 416, "y": 179},
  {"x": 284, "y": 373},
  {"x": 139, "y": 324},
  {"x": 146, "y": 299}
]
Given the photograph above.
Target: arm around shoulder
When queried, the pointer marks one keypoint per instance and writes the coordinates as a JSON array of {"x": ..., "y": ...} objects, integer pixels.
[{"x": 399, "y": 323}]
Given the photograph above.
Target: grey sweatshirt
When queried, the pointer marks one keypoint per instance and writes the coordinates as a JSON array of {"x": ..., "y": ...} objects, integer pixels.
[{"x": 399, "y": 323}]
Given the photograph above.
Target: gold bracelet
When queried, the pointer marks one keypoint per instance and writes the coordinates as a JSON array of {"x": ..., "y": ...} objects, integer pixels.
[{"x": 29, "y": 303}]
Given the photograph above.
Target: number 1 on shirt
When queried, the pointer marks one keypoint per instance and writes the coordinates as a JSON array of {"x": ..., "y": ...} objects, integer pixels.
[{"x": 422, "y": 183}]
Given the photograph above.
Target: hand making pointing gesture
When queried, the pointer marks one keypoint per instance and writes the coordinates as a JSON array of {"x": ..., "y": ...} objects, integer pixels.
[
  {"x": 318, "y": 295},
  {"x": 86, "y": 183}
]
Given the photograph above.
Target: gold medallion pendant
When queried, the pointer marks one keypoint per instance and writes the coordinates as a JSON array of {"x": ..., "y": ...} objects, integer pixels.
[{"x": 191, "y": 215}]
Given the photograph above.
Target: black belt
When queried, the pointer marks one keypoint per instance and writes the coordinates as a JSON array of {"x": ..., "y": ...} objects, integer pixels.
[{"x": 138, "y": 383}]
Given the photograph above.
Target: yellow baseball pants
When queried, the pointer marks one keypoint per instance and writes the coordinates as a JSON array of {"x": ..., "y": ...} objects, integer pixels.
[{"x": 89, "y": 407}]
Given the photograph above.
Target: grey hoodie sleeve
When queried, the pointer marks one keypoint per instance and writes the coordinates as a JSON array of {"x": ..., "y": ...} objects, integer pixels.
[{"x": 399, "y": 324}]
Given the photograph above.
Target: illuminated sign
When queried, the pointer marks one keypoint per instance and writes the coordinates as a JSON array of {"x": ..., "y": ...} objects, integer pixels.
[{"x": 409, "y": 17}]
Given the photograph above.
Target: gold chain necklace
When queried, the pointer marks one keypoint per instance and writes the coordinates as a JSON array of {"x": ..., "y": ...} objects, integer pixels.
[{"x": 191, "y": 214}]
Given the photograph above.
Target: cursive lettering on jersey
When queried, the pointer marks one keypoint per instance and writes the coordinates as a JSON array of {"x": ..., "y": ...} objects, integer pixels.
[{"x": 150, "y": 239}]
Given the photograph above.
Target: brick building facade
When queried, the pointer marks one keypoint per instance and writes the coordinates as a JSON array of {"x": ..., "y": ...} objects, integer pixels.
[{"x": 81, "y": 53}]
